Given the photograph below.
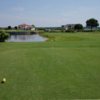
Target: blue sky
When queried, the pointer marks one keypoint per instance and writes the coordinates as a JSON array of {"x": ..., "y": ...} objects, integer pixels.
[{"x": 48, "y": 12}]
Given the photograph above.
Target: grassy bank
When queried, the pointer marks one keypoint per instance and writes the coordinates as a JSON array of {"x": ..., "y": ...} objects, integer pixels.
[{"x": 65, "y": 67}]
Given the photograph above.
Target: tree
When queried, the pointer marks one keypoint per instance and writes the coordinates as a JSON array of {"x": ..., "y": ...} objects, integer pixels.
[
  {"x": 3, "y": 36},
  {"x": 92, "y": 23},
  {"x": 9, "y": 27},
  {"x": 78, "y": 27},
  {"x": 15, "y": 27}
]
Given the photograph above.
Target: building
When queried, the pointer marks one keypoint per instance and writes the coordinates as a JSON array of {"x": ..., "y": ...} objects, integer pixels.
[
  {"x": 33, "y": 28},
  {"x": 26, "y": 27},
  {"x": 68, "y": 27}
]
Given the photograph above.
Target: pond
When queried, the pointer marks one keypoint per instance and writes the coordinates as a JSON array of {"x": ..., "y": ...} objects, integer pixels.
[{"x": 26, "y": 38}]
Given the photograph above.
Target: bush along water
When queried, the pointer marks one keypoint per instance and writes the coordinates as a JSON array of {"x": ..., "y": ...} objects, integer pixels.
[{"x": 3, "y": 36}]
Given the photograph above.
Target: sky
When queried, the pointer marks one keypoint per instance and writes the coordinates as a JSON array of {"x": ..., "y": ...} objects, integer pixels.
[{"x": 47, "y": 13}]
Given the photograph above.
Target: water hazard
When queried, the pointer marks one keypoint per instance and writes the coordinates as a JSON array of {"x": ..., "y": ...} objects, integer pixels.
[{"x": 26, "y": 38}]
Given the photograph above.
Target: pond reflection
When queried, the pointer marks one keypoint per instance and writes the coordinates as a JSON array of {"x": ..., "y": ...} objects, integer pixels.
[{"x": 26, "y": 38}]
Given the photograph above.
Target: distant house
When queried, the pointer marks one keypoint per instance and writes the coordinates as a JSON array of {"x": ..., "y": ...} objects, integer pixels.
[
  {"x": 68, "y": 27},
  {"x": 26, "y": 27}
]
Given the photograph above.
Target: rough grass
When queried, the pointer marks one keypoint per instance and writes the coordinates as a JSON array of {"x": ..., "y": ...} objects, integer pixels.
[{"x": 65, "y": 67}]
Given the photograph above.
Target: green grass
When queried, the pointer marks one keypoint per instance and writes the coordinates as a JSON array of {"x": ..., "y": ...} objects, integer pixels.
[{"x": 65, "y": 67}]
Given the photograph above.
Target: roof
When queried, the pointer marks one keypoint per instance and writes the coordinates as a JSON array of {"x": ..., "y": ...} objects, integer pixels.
[{"x": 24, "y": 25}]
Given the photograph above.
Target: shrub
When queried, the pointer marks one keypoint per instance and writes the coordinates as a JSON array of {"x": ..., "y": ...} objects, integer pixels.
[{"x": 3, "y": 36}]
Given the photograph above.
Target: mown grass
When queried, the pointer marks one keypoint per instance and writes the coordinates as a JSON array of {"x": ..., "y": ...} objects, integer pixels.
[
  {"x": 72, "y": 36},
  {"x": 65, "y": 67}
]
